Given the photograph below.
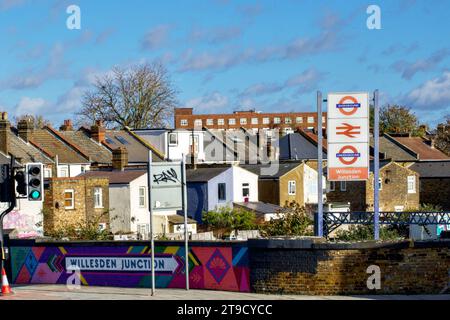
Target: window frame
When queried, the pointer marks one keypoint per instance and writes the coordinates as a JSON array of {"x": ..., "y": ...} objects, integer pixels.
[
  {"x": 232, "y": 121},
  {"x": 184, "y": 122},
  {"x": 173, "y": 144},
  {"x": 98, "y": 191},
  {"x": 243, "y": 121},
  {"x": 221, "y": 122},
  {"x": 246, "y": 186},
  {"x": 266, "y": 120},
  {"x": 313, "y": 120},
  {"x": 292, "y": 184},
  {"x": 414, "y": 182},
  {"x": 142, "y": 197},
  {"x": 72, "y": 206},
  {"x": 222, "y": 185}
]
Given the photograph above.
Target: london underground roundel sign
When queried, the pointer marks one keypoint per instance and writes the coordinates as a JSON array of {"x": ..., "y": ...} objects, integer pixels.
[{"x": 348, "y": 136}]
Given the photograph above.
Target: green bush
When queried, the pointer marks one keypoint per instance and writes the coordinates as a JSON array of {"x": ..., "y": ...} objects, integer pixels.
[
  {"x": 223, "y": 220},
  {"x": 293, "y": 221},
  {"x": 366, "y": 233}
]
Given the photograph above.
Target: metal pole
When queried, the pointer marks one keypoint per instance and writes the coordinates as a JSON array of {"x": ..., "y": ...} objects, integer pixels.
[
  {"x": 376, "y": 166},
  {"x": 186, "y": 233},
  {"x": 150, "y": 208},
  {"x": 319, "y": 166}
]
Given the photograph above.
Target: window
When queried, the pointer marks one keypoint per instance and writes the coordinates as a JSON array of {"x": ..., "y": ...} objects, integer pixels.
[
  {"x": 193, "y": 139},
  {"x": 324, "y": 120},
  {"x": 287, "y": 120},
  {"x": 292, "y": 188},
  {"x": 331, "y": 186},
  {"x": 173, "y": 139},
  {"x": 69, "y": 202},
  {"x": 47, "y": 173},
  {"x": 222, "y": 192},
  {"x": 411, "y": 184},
  {"x": 245, "y": 190},
  {"x": 277, "y": 120},
  {"x": 310, "y": 119},
  {"x": 343, "y": 185},
  {"x": 98, "y": 197},
  {"x": 266, "y": 120},
  {"x": 221, "y": 122},
  {"x": 183, "y": 122},
  {"x": 232, "y": 121},
  {"x": 243, "y": 121},
  {"x": 210, "y": 122},
  {"x": 142, "y": 197},
  {"x": 122, "y": 140},
  {"x": 198, "y": 123},
  {"x": 254, "y": 120},
  {"x": 299, "y": 120},
  {"x": 64, "y": 172}
]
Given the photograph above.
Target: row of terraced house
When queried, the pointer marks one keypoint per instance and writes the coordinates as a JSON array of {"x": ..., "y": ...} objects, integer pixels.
[{"x": 247, "y": 159}]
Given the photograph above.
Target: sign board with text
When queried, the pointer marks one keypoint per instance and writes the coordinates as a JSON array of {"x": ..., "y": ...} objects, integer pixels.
[
  {"x": 166, "y": 186},
  {"x": 348, "y": 136}
]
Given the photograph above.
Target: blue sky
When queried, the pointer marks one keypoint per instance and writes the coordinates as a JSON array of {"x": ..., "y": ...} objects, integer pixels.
[{"x": 225, "y": 55}]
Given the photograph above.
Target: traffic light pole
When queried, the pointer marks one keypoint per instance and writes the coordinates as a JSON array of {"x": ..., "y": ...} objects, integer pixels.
[{"x": 11, "y": 207}]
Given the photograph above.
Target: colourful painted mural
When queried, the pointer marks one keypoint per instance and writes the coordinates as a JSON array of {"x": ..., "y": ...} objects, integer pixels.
[{"x": 214, "y": 268}]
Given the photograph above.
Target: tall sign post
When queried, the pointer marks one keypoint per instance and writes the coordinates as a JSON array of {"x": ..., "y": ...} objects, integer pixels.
[
  {"x": 376, "y": 166},
  {"x": 167, "y": 192},
  {"x": 348, "y": 136},
  {"x": 186, "y": 231},
  {"x": 319, "y": 166},
  {"x": 150, "y": 208}
]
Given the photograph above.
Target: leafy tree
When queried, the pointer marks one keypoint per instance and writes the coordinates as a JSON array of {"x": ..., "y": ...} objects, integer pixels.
[
  {"x": 139, "y": 97},
  {"x": 223, "y": 220},
  {"x": 399, "y": 119},
  {"x": 442, "y": 141},
  {"x": 292, "y": 221}
]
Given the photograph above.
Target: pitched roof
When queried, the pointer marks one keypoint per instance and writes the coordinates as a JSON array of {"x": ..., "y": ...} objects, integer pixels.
[
  {"x": 394, "y": 150},
  {"x": 204, "y": 174},
  {"x": 432, "y": 169},
  {"x": 177, "y": 219},
  {"x": 116, "y": 177},
  {"x": 26, "y": 152},
  {"x": 95, "y": 151},
  {"x": 261, "y": 207},
  {"x": 137, "y": 149},
  {"x": 281, "y": 169},
  {"x": 52, "y": 144},
  {"x": 299, "y": 146},
  {"x": 422, "y": 148}
]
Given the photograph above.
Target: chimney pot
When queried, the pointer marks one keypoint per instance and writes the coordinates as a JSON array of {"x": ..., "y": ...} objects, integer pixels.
[
  {"x": 98, "y": 131},
  {"x": 120, "y": 158},
  {"x": 4, "y": 128},
  {"x": 67, "y": 126}
]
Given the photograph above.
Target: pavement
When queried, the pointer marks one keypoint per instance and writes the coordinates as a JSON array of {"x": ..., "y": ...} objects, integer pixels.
[{"x": 61, "y": 292}]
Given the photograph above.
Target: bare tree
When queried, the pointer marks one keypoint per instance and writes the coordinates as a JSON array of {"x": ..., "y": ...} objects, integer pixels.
[
  {"x": 139, "y": 97},
  {"x": 38, "y": 121}
]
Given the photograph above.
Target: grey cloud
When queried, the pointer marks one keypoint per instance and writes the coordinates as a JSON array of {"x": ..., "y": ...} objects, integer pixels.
[
  {"x": 214, "y": 35},
  {"x": 156, "y": 37},
  {"x": 409, "y": 69}
]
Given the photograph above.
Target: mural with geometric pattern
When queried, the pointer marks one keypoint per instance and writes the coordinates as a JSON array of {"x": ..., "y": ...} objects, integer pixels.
[{"x": 213, "y": 268}]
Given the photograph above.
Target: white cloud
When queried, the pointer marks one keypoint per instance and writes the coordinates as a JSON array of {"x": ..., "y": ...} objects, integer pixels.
[
  {"x": 214, "y": 102},
  {"x": 433, "y": 94},
  {"x": 29, "y": 105}
]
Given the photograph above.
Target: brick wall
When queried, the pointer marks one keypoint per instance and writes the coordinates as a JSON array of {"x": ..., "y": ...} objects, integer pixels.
[
  {"x": 394, "y": 191},
  {"x": 325, "y": 269},
  {"x": 57, "y": 216}
]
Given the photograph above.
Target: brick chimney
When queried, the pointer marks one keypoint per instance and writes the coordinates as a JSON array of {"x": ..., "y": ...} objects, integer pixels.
[
  {"x": 4, "y": 131},
  {"x": 67, "y": 126},
  {"x": 98, "y": 131},
  {"x": 25, "y": 128},
  {"x": 120, "y": 158}
]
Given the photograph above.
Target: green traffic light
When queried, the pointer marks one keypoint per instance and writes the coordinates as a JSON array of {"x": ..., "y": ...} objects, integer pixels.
[{"x": 35, "y": 195}]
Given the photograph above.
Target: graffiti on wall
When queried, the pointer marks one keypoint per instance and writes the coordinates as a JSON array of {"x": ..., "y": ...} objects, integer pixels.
[
  {"x": 214, "y": 268},
  {"x": 26, "y": 225}
]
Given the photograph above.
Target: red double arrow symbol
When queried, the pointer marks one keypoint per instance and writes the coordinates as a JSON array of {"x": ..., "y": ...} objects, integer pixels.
[{"x": 348, "y": 130}]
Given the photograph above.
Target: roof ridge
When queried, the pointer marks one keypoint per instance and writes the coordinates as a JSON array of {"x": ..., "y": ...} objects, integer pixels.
[
  {"x": 401, "y": 145},
  {"x": 145, "y": 143},
  {"x": 67, "y": 141}
]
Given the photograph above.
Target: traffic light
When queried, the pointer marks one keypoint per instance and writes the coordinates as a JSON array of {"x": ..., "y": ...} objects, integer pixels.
[
  {"x": 5, "y": 185},
  {"x": 35, "y": 181},
  {"x": 21, "y": 183}
]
